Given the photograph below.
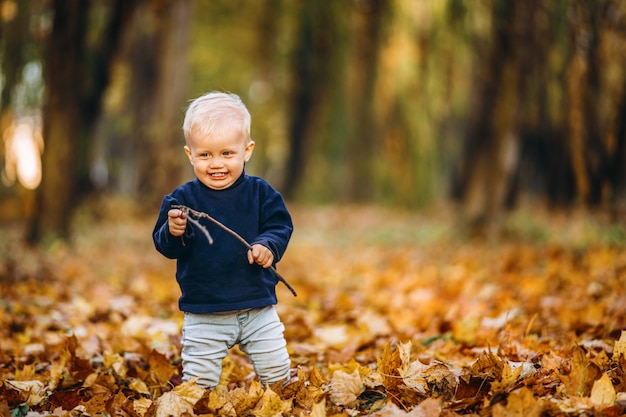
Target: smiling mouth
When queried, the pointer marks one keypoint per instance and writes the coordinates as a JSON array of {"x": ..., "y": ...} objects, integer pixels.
[{"x": 218, "y": 174}]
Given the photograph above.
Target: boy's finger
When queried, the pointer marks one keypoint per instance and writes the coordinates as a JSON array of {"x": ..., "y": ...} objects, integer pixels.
[{"x": 177, "y": 213}]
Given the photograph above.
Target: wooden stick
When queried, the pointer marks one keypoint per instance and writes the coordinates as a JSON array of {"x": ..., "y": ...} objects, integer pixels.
[{"x": 199, "y": 214}]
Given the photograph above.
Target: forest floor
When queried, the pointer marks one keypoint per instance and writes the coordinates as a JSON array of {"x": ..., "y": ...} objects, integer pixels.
[{"x": 397, "y": 314}]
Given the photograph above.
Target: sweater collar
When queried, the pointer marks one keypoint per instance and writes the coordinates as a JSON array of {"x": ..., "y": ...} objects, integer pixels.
[{"x": 234, "y": 185}]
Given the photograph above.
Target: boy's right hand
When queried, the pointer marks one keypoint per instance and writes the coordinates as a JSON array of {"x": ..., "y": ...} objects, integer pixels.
[{"x": 177, "y": 222}]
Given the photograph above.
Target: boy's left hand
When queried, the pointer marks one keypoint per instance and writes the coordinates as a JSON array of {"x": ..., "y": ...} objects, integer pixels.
[{"x": 261, "y": 255}]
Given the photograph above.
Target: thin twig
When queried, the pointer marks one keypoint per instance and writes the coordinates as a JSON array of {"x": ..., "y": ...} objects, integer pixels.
[
  {"x": 202, "y": 229},
  {"x": 199, "y": 214}
]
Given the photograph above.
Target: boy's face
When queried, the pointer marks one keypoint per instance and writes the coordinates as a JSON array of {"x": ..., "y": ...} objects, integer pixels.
[{"x": 218, "y": 159}]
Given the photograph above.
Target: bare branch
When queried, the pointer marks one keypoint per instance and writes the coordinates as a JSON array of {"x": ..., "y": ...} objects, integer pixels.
[{"x": 193, "y": 215}]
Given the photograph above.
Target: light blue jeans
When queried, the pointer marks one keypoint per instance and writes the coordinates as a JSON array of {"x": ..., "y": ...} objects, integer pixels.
[{"x": 259, "y": 332}]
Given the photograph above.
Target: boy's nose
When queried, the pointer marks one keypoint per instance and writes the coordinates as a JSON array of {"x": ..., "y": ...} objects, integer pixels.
[{"x": 216, "y": 162}]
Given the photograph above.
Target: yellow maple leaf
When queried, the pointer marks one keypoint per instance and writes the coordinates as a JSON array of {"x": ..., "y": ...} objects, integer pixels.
[
  {"x": 115, "y": 362},
  {"x": 603, "y": 392},
  {"x": 141, "y": 406},
  {"x": 139, "y": 386},
  {"x": 218, "y": 398},
  {"x": 509, "y": 377},
  {"x": 27, "y": 373},
  {"x": 273, "y": 406},
  {"x": 244, "y": 400},
  {"x": 345, "y": 388},
  {"x": 521, "y": 403},
  {"x": 319, "y": 409},
  {"x": 190, "y": 391}
]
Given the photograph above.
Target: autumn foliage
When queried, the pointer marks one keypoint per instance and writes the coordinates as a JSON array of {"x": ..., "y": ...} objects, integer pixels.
[{"x": 396, "y": 314}]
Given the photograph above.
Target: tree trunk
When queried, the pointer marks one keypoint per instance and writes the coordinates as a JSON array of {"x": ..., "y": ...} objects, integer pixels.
[
  {"x": 309, "y": 84},
  {"x": 371, "y": 18},
  {"x": 62, "y": 121},
  {"x": 492, "y": 142},
  {"x": 165, "y": 135},
  {"x": 75, "y": 79}
]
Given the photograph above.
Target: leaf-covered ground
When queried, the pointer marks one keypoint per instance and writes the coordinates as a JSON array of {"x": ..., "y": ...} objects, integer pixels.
[{"x": 397, "y": 314}]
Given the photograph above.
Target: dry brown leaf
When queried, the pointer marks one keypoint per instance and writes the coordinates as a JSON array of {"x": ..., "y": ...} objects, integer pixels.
[
  {"x": 179, "y": 401},
  {"x": 96, "y": 404},
  {"x": 32, "y": 392},
  {"x": 412, "y": 373},
  {"x": 430, "y": 407},
  {"x": 171, "y": 404},
  {"x": 345, "y": 388},
  {"x": 388, "y": 364}
]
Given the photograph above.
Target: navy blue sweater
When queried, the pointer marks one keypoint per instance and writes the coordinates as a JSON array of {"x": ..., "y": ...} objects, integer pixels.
[{"x": 218, "y": 277}]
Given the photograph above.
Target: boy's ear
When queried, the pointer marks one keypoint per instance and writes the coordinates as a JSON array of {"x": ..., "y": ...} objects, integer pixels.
[
  {"x": 188, "y": 152},
  {"x": 249, "y": 150}
]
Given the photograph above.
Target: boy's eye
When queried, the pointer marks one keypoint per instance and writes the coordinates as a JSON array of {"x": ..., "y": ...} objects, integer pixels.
[
  {"x": 227, "y": 153},
  {"x": 203, "y": 155}
]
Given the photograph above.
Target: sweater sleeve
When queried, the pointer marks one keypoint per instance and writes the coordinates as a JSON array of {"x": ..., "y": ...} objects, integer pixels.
[
  {"x": 168, "y": 245},
  {"x": 276, "y": 225}
]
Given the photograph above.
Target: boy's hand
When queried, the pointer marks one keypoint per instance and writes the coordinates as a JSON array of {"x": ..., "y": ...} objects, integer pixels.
[
  {"x": 177, "y": 222},
  {"x": 261, "y": 255}
]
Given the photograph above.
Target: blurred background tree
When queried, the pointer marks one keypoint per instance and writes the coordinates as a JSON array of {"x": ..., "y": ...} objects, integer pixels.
[{"x": 478, "y": 104}]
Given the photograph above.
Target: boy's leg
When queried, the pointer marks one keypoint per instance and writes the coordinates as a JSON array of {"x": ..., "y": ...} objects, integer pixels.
[
  {"x": 206, "y": 340},
  {"x": 263, "y": 341}
]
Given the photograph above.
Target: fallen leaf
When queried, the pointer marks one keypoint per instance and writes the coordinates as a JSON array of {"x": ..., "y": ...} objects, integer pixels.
[
  {"x": 272, "y": 405},
  {"x": 345, "y": 388},
  {"x": 520, "y": 403},
  {"x": 141, "y": 406},
  {"x": 619, "y": 349},
  {"x": 244, "y": 400},
  {"x": 412, "y": 373},
  {"x": 603, "y": 393},
  {"x": 319, "y": 409},
  {"x": 179, "y": 401},
  {"x": 33, "y": 392}
]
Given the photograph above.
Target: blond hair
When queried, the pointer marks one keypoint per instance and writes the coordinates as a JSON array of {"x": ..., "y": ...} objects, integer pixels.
[{"x": 215, "y": 111}]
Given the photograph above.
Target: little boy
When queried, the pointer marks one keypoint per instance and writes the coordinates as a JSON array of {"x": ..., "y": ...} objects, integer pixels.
[{"x": 228, "y": 291}]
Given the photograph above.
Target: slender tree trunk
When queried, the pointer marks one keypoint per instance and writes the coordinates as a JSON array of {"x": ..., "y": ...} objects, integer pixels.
[
  {"x": 310, "y": 65},
  {"x": 371, "y": 18}
]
